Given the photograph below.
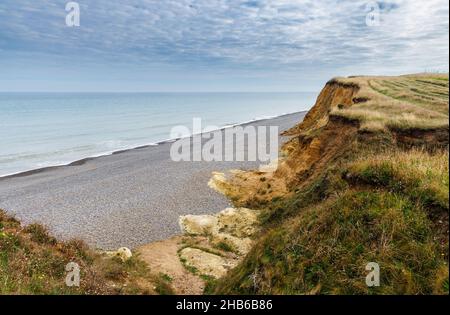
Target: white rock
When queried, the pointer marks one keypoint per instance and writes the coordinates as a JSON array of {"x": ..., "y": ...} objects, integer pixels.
[
  {"x": 205, "y": 263},
  {"x": 123, "y": 253},
  {"x": 198, "y": 224}
]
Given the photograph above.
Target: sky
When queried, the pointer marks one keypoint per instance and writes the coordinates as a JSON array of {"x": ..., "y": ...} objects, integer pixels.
[{"x": 216, "y": 45}]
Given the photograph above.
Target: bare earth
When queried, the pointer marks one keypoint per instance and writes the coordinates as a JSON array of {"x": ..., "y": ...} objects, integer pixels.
[
  {"x": 127, "y": 199},
  {"x": 162, "y": 256}
]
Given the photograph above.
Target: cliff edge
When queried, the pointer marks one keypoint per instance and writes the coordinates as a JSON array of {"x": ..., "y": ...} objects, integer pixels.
[{"x": 364, "y": 179}]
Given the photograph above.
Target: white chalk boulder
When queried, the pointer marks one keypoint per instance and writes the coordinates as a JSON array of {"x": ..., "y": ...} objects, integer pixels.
[
  {"x": 198, "y": 224},
  {"x": 205, "y": 263},
  {"x": 123, "y": 253}
]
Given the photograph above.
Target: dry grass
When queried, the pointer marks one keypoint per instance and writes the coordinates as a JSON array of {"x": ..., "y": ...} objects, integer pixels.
[
  {"x": 362, "y": 198},
  {"x": 416, "y": 173},
  {"x": 390, "y": 208},
  {"x": 33, "y": 262},
  {"x": 325, "y": 247},
  {"x": 405, "y": 102}
]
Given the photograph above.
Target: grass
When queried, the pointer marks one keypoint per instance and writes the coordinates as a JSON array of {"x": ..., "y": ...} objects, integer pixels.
[
  {"x": 166, "y": 277},
  {"x": 33, "y": 262},
  {"x": 162, "y": 284},
  {"x": 188, "y": 267},
  {"x": 210, "y": 283},
  {"x": 377, "y": 200},
  {"x": 386, "y": 206},
  {"x": 225, "y": 247},
  {"x": 325, "y": 248},
  {"x": 420, "y": 175},
  {"x": 404, "y": 103}
]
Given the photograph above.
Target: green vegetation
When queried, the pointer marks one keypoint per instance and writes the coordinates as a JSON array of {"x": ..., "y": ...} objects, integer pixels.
[
  {"x": 210, "y": 283},
  {"x": 416, "y": 173},
  {"x": 33, "y": 262},
  {"x": 374, "y": 200},
  {"x": 162, "y": 285},
  {"x": 225, "y": 247},
  {"x": 188, "y": 267},
  {"x": 311, "y": 246}
]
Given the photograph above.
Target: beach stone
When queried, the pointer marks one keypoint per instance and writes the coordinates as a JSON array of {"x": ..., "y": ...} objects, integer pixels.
[
  {"x": 205, "y": 263},
  {"x": 239, "y": 222},
  {"x": 198, "y": 224},
  {"x": 232, "y": 227},
  {"x": 123, "y": 253}
]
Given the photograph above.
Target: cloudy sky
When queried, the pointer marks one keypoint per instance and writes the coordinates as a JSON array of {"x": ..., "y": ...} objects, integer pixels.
[{"x": 216, "y": 45}]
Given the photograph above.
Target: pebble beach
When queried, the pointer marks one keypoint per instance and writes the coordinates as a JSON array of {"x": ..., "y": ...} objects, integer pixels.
[{"x": 129, "y": 198}]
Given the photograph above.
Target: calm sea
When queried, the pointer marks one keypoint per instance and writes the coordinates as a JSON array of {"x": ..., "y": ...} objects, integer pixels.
[{"x": 46, "y": 129}]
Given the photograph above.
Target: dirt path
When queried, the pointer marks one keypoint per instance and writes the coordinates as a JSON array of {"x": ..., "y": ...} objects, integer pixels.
[{"x": 162, "y": 257}]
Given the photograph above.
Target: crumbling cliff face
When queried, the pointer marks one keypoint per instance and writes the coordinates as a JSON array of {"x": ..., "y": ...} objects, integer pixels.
[
  {"x": 362, "y": 176},
  {"x": 331, "y": 129},
  {"x": 315, "y": 141}
]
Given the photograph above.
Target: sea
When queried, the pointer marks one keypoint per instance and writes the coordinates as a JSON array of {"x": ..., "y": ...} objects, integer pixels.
[{"x": 48, "y": 129}]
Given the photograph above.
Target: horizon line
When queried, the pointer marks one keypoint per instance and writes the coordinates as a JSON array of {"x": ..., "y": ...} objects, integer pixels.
[{"x": 148, "y": 92}]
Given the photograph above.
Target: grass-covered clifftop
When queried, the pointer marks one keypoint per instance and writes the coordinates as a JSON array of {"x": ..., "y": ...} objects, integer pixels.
[{"x": 363, "y": 179}]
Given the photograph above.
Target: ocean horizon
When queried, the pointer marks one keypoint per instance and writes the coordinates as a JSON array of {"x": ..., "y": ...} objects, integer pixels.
[{"x": 49, "y": 129}]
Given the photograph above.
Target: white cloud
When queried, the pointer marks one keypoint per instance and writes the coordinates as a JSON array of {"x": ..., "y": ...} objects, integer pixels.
[{"x": 282, "y": 33}]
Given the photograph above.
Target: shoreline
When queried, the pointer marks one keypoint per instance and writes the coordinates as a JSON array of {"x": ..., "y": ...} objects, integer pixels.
[
  {"x": 82, "y": 161},
  {"x": 127, "y": 199}
]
